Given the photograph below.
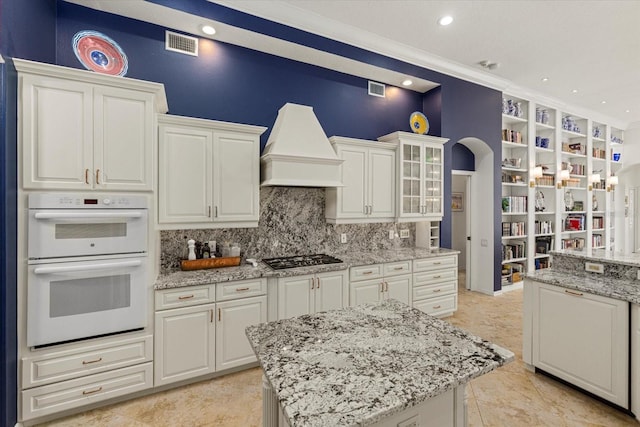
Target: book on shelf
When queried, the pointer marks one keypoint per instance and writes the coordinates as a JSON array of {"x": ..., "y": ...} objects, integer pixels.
[
  {"x": 597, "y": 222},
  {"x": 512, "y": 136},
  {"x": 542, "y": 263},
  {"x": 514, "y": 229},
  {"x": 514, "y": 250},
  {"x": 544, "y": 244},
  {"x": 574, "y": 222},
  {"x": 514, "y": 204},
  {"x": 597, "y": 240},
  {"x": 543, "y": 227},
  {"x": 576, "y": 243}
]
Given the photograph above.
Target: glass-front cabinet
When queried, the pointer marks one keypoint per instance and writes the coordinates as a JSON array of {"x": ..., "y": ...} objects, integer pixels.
[{"x": 420, "y": 183}]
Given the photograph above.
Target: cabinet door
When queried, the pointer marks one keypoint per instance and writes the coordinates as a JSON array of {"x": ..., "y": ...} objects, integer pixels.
[
  {"x": 432, "y": 180},
  {"x": 295, "y": 296},
  {"x": 232, "y": 346},
  {"x": 329, "y": 292},
  {"x": 365, "y": 291},
  {"x": 56, "y": 133},
  {"x": 381, "y": 183},
  {"x": 352, "y": 197},
  {"x": 236, "y": 180},
  {"x": 184, "y": 175},
  {"x": 124, "y": 133},
  {"x": 583, "y": 339},
  {"x": 184, "y": 343},
  {"x": 399, "y": 288},
  {"x": 411, "y": 180}
]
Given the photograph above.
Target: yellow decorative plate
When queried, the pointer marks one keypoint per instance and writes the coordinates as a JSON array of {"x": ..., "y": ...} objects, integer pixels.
[{"x": 419, "y": 123}]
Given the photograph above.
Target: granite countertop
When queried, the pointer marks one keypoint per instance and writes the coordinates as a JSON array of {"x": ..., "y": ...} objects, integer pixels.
[
  {"x": 601, "y": 255},
  {"x": 597, "y": 284},
  {"x": 360, "y": 364},
  {"x": 179, "y": 279}
]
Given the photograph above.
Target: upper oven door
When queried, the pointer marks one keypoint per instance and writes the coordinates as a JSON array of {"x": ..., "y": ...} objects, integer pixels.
[{"x": 56, "y": 233}]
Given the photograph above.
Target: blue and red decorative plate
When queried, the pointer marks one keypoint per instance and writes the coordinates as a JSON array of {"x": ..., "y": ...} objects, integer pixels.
[
  {"x": 419, "y": 123},
  {"x": 99, "y": 53}
]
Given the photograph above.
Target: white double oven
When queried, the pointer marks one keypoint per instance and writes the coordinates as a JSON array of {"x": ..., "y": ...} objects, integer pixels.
[{"x": 87, "y": 266}]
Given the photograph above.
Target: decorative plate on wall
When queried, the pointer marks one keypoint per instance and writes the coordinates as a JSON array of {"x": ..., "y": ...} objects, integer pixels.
[
  {"x": 99, "y": 53},
  {"x": 419, "y": 123}
]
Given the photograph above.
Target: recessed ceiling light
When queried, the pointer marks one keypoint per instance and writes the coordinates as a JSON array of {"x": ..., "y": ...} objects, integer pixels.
[
  {"x": 627, "y": 111},
  {"x": 445, "y": 20},
  {"x": 545, "y": 79},
  {"x": 407, "y": 83},
  {"x": 574, "y": 91},
  {"x": 208, "y": 29},
  {"x": 603, "y": 102}
]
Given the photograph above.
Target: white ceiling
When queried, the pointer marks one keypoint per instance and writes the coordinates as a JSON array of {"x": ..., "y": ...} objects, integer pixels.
[{"x": 592, "y": 46}]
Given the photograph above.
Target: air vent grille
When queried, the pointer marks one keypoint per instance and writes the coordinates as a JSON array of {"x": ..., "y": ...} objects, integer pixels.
[
  {"x": 180, "y": 43},
  {"x": 376, "y": 89}
]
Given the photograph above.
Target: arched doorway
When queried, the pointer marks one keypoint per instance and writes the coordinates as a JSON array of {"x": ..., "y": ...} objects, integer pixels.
[{"x": 481, "y": 270}]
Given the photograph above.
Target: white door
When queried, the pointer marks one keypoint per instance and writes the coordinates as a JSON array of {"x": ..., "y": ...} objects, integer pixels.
[
  {"x": 329, "y": 291},
  {"x": 236, "y": 180},
  {"x": 124, "y": 133},
  {"x": 365, "y": 291},
  {"x": 184, "y": 175},
  {"x": 295, "y": 296},
  {"x": 232, "y": 346},
  {"x": 352, "y": 197},
  {"x": 399, "y": 288},
  {"x": 57, "y": 133},
  {"x": 381, "y": 191},
  {"x": 184, "y": 343}
]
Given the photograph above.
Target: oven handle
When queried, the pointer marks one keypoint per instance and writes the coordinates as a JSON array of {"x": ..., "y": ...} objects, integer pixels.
[
  {"x": 71, "y": 268},
  {"x": 87, "y": 215}
]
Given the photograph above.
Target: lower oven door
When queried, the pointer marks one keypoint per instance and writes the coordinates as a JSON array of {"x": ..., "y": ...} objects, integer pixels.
[{"x": 75, "y": 300}]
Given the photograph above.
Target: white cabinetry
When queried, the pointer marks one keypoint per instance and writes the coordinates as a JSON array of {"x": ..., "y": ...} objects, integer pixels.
[
  {"x": 81, "y": 130},
  {"x": 435, "y": 285},
  {"x": 583, "y": 339},
  {"x": 195, "y": 335},
  {"x": 208, "y": 174},
  {"x": 368, "y": 174},
  {"x": 57, "y": 380},
  {"x": 420, "y": 176},
  {"x": 311, "y": 293},
  {"x": 635, "y": 359},
  {"x": 377, "y": 282}
]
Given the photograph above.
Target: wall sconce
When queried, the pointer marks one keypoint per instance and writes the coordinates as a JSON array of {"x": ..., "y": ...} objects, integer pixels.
[
  {"x": 613, "y": 181},
  {"x": 594, "y": 178},
  {"x": 563, "y": 176},
  {"x": 535, "y": 173}
]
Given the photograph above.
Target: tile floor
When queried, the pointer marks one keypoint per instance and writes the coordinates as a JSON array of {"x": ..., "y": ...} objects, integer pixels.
[{"x": 510, "y": 396}]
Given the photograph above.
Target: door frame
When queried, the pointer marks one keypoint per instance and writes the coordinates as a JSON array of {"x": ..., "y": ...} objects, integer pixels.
[{"x": 467, "y": 218}]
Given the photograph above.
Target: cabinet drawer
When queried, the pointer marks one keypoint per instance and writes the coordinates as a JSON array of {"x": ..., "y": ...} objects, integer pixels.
[
  {"x": 241, "y": 289},
  {"x": 49, "y": 399},
  {"x": 435, "y": 263},
  {"x": 436, "y": 276},
  {"x": 438, "y": 306},
  {"x": 397, "y": 268},
  {"x": 364, "y": 272},
  {"x": 430, "y": 291},
  {"x": 66, "y": 365},
  {"x": 184, "y": 297}
]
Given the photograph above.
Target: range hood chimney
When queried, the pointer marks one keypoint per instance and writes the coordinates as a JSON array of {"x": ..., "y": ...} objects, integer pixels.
[{"x": 298, "y": 152}]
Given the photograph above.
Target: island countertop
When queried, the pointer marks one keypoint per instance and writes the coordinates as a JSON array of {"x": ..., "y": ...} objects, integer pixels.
[{"x": 358, "y": 365}]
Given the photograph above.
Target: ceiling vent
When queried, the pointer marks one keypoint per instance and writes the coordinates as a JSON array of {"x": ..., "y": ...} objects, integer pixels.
[
  {"x": 180, "y": 43},
  {"x": 376, "y": 89}
]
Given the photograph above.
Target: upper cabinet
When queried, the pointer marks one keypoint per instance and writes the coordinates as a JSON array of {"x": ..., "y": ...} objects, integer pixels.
[
  {"x": 81, "y": 130},
  {"x": 208, "y": 173},
  {"x": 368, "y": 174},
  {"x": 419, "y": 176}
]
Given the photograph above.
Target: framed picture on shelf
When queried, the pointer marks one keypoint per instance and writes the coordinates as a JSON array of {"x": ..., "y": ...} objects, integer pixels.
[{"x": 457, "y": 202}]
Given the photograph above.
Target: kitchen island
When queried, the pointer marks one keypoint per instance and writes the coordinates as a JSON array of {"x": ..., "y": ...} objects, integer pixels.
[{"x": 373, "y": 364}]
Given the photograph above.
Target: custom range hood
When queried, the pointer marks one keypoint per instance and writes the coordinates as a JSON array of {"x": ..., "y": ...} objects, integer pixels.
[{"x": 298, "y": 152}]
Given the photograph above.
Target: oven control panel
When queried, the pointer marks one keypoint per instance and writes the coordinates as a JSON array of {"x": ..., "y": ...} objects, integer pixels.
[{"x": 86, "y": 201}]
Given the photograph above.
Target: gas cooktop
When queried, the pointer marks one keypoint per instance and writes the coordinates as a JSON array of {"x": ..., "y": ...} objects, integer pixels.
[{"x": 300, "y": 261}]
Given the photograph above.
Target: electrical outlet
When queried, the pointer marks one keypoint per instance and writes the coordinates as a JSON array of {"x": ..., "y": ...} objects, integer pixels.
[
  {"x": 343, "y": 238},
  {"x": 404, "y": 234},
  {"x": 391, "y": 234}
]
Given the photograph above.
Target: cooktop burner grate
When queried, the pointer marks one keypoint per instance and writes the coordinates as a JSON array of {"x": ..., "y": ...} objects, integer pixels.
[{"x": 281, "y": 263}]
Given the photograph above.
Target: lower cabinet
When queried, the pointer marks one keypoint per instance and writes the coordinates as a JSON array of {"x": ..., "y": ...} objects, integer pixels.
[
  {"x": 435, "y": 285},
  {"x": 311, "y": 293},
  {"x": 583, "y": 339},
  {"x": 205, "y": 336}
]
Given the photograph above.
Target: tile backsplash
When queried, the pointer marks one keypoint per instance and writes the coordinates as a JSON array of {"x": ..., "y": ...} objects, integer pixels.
[{"x": 291, "y": 222}]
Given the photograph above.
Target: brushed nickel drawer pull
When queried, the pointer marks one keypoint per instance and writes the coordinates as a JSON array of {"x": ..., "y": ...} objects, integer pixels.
[
  {"x": 97, "y": 176},
  {"x": 211, "y": 316},
  {"x": 437, "y": 277},
  {"x": 313, "y": 283},
  {"x": 386, "y": 286},
  {"x": 241, "y": 289},
  {"x": 578, "y": 294},
  {"x": 92, "y": 391},
  {"x": 367, "y": 272},
  {"x": 318, "y": 283},
  {"x": 86, "y": 176},
  {"x": 437, "y": 290},
  {"x": 435, "y": 307},
  {"x": 219, "y": 314},
  {"x": 381, "y": 287},
  {"x": 399, "y": 268},
  {"x": 209, "y": 211},
  {"x": 185, "y": 297},
  {"x": 89, "y": 362},
  {"x": 437, "y": 263}
]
